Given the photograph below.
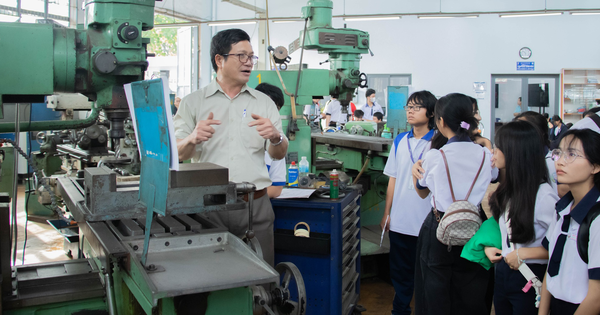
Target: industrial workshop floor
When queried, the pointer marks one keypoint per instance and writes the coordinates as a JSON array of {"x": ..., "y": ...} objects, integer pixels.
[{"x": 44, "y": 244}]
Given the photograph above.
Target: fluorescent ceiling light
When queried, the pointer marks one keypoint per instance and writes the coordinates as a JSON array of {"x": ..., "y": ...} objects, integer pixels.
[
  {"x": 230, "y": 23},
  {"x": 287, "y": 21},
  {"x": 528, "y": 15},
  {"x": 373, "y": 18},
  {"x": 585, "y": 13},
  {"x": 434, "y": 17}
]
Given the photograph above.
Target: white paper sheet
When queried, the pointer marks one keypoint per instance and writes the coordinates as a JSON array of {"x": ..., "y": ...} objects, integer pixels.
[{"x": 288, "y": 193}]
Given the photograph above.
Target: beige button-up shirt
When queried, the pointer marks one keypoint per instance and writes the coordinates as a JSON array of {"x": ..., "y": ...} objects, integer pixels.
[{"x": 233, "y": 145}]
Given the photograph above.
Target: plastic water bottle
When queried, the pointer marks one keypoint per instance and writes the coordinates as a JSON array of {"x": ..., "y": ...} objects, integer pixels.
[
  {"x": 293, "y": 175},
  {"x": 334, "y": 185},
  {"x": 304, "y": 168}
]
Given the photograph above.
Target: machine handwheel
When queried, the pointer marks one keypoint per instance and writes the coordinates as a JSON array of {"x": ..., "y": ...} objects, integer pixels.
[
  {"x": 40, "y": 137},
  {"x": 288, "y": 270},
  {"x": 362, "y": 80}
]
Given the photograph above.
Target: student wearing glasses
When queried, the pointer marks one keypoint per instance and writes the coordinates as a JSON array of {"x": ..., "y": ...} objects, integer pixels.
[
  {"x": 405, "y": 211},
  {"x": 230, "y": 124},
  {"x": 571, "y": 285}
]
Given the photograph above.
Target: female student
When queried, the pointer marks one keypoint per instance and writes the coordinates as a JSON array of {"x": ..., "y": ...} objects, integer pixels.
[
  {"x": 445, "y": 283},
  {"x": 404, "y": 209},
  {"x": 572, "y": 286},
  {"x": 539, "y": 121},
  {"x": 523, "y": 205}
]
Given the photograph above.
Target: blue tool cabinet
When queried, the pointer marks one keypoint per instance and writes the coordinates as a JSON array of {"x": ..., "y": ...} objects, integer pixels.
[{"x": 329, "y": 259}]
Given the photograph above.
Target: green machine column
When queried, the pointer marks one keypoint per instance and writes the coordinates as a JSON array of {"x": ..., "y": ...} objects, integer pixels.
[
  {"x": 95, "y": 61},
  {"x": 312, "y": 82}
]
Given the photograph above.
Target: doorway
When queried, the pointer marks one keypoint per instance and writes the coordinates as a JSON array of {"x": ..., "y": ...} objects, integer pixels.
[{"x": 515, "y": 93}]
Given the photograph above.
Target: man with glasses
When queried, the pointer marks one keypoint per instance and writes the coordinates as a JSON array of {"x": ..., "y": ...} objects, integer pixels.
[{"x": 230, "y": 124}]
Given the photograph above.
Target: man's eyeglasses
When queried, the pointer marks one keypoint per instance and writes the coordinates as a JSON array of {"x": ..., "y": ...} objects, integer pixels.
[
  {"x": 244, "y": 58},
  {"x": 569, "y": 156},
  {"x": 413, "y": 108}
]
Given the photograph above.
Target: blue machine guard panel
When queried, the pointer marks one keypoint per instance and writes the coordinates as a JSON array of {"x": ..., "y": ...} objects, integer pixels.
[{"x": 153, "y": 135}]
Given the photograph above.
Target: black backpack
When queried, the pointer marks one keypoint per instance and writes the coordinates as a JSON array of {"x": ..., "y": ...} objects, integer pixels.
[{"x": 583, "y": 235}]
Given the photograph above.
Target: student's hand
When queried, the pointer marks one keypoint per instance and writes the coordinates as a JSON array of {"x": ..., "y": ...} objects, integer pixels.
[
  {"x": 385, "y": 222},
  {"x": 493, "y": 254},
  {"x": 484, "y": 142},
  {"x": 265, "y": 128},
  {"x": 512, "y": 261},
  {"x": 203, "y": 130},
  {"x": 417, "y": 169}
]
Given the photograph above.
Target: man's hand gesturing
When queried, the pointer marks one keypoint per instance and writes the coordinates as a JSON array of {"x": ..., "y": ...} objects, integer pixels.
[
  {"x": 265, "y": 128},
  {"x": 203, "y": 130}
]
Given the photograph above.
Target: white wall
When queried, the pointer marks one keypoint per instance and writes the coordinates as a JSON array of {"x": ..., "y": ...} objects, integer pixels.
[{"x": 448, "y": 55}]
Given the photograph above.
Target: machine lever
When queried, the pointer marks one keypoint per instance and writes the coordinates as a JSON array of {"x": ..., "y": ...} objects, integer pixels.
[{"x": 264, "y": 304}]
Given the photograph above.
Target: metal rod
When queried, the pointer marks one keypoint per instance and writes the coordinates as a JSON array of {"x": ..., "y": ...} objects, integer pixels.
[
  {"x": 109, "y": 293},
  {"x": 55, "y": 125},
  {"x": 301, "y": 57},
  {"x": 15, "y": 227},
  {"x": 46, "y": 9}
]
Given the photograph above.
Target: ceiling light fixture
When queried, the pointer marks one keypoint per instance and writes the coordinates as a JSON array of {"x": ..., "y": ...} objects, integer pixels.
[
  {"x": 381, "y": 18},
  {"x": 436, "y": 17},
  {"x": 230, "y": 23},
  {"x": 586, "y": 13},
  {"x": 529, "y": 15},
  {"x": 287, "y": 21}
]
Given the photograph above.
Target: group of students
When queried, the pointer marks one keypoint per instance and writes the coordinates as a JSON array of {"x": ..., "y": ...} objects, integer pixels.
[
  {"x": 333, "y": 115},
  {"x": 443, "y": 159}
]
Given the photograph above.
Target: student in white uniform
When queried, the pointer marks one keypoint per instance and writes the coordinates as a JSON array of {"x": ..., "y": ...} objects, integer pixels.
[
  {"x": 540, "y": 122},
  {"x": 333, "y": 113},
  {"x": 526, "y": 201},
  {"x": 276, "y": 168},
  {"x": 572, "y": 286},
  {"x": 445, "y": 283},
  {"x": 404, "y": 209},
  {"x": 371, "y": 107}
]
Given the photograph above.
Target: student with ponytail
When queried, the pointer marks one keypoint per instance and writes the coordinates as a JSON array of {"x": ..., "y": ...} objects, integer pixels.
[{"x": 445, "y": 283}]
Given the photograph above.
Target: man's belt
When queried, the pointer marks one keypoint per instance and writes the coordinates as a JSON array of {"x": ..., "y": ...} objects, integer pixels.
[{"x": 257, "y": 194}]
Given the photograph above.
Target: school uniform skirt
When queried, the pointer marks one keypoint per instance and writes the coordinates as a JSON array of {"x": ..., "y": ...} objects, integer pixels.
[{"x": 445, "y": 283}]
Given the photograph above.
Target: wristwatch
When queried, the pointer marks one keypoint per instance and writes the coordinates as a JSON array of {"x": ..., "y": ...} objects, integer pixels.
[{"x": 280, "y": 140}]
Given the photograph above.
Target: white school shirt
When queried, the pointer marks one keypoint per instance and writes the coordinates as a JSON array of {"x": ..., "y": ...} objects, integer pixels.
[
  {"x": 276, "y": 170},
  {"x": 464, "y": 158},
  {"x": 544, "y": 215},
  {"x": 571, "y": 282},
  {"x": 369, "y": 111},
  {"x": 334, "y": 108},
  {"x": 408, "y": 210}
]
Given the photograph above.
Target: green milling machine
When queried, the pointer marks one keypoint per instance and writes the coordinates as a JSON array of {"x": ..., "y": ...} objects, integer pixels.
[
  {"x": 190, "y": 265},
  {"x": 360, "y": 157}
]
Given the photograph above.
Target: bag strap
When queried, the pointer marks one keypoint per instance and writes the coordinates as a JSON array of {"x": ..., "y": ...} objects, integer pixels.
[
  {"x": 450, "y": 179},
  {"x": 583, "y": 235},
  {"x": 448, "y": 172}
]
